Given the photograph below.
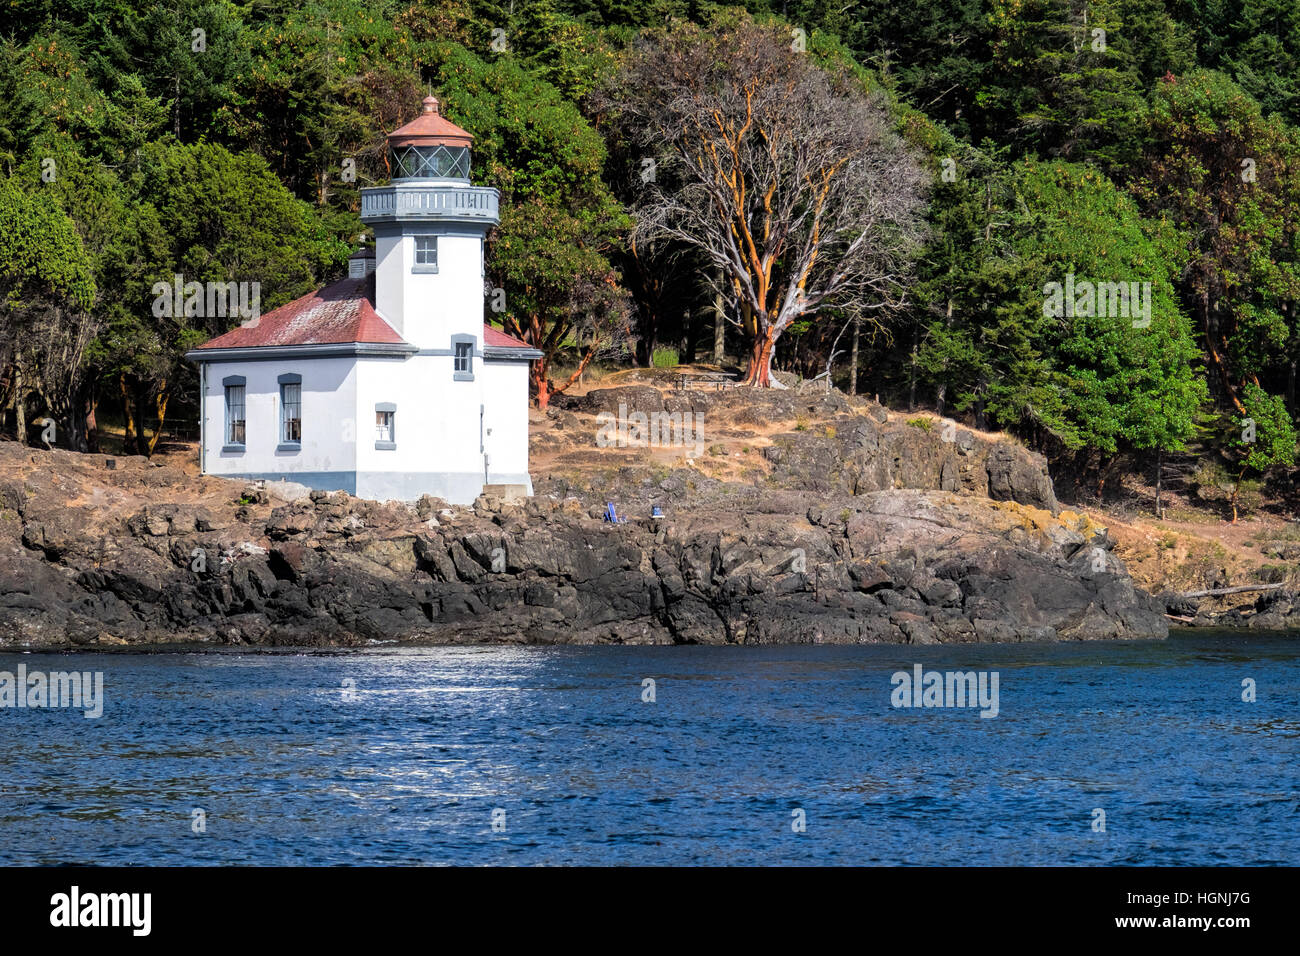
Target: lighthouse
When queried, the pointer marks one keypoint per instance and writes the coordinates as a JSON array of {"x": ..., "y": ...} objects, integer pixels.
[{"x": 387, "y": 384}]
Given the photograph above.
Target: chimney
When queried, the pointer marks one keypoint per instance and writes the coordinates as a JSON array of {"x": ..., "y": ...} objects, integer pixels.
[{"x": 361, "y": 263}]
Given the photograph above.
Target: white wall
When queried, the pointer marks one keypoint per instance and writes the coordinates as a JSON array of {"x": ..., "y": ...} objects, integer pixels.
[
  {"x": 428, "y": 308},
  {"x": 437, "y": 422},
  {"x": 437, "y": 425},
  {"x": 392, "y": 264},
  {"x": 505, "y": 386},
  {"x": 329, "y": 388}
]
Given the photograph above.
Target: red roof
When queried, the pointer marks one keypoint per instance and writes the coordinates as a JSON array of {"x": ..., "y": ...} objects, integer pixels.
[
  {"x": 495, "y": 338},
  {"x": 430, "y": 128},
  {"x": 341, "y": 312}
]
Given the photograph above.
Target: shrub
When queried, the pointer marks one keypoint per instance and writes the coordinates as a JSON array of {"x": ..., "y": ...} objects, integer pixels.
[{"x": 664, "y": 358}]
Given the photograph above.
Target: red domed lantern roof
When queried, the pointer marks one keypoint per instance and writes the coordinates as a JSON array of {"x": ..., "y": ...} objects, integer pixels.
[{"x": 430, "y": 128}]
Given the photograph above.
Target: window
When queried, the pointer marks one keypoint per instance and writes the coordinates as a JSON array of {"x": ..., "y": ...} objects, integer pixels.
[
  {"x": 462, "y": 350},
  {"x": 235, "y": 421},
  {"x": 430, "y": 162},
  {"x": 290, "y": 410},
  {"x": 385, "y": 426},
  {"x": 426, "y": 254}
]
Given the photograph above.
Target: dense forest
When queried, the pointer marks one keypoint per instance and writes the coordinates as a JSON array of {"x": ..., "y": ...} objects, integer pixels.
[{"x": 1072, "y": 221}]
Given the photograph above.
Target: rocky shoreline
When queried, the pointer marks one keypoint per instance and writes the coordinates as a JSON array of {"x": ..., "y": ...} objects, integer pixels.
[
  {"x": 862, "y": 533},
  {"x": 907, "y": 566}
]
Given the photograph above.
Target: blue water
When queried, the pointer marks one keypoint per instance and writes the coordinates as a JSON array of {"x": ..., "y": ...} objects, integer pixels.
[{"x": 290, "y": 765}]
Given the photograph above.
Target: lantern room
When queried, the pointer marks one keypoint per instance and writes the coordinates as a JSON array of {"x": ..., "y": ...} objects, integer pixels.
[{"x": 429, "y": 147}]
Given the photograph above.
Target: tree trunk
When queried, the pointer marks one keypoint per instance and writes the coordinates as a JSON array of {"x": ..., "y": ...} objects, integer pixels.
[
  {"x": 1160, "y": 474},
  {"x": 20, "y": 410},
  {"x": 941, "y": 393},
  {"x": 1211, "y": 326},
  {"x": 137, "y": 405},
  {"x": 720, "y": 331},
  {"x": 92, "y": 424},
  {"x": 647, "y": 336},
  {"x": 1214, "y": 347},
  {"x": 853, "y": 356},
  {"x": 759, "y": 372},
  {"x": 916, "y": 347},
  {"x": 76, "y": 435},
  {"x": 1239, "y": 589},
  {"x": 541, "y": 384},
  {"x": 162, "y": 415},
  {"x": 1236, "y": 488},
  {"x": 552, "y": 389},
  {"x": 129, "y": 446}
]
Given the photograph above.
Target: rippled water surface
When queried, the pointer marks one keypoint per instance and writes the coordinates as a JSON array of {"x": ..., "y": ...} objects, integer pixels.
[{"x": 290, "y": 764}]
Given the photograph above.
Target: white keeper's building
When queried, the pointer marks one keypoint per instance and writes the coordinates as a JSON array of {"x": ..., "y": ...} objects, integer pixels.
[{"x": 387, "y": 384}]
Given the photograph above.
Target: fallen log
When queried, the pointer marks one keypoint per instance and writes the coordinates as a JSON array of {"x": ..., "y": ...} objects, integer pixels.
[{"x": 1217, "y": 592}]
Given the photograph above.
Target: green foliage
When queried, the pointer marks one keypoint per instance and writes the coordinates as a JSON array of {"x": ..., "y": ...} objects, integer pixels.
[
  {"x": 1257, "y": 43},
  {"x": 1230, "y": 180},
  {"x": 228, "y": 218},
  {"x": 1122, "y": 162},
  {"x": 1268, "y": 436},
  {"x": 1075, "y": 91},
  {"x": 665, "y": 358},
  {"x": 1094, "y": 381},
  {"x": 1122, "y": 379},
  {"x": 188, "y": 54},
  {"x": 41, "y": 255}
]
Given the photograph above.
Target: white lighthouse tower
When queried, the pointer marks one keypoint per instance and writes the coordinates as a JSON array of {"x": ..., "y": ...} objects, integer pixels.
[{"x": 429, "y": 224}]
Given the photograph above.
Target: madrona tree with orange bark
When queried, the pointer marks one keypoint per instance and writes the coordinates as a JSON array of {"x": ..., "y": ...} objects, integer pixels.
[{"x": 786, "y": 175}]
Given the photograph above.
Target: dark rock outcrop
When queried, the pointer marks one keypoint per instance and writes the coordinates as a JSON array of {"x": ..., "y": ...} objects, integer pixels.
[
  {"x": 1274, "y": 610},
  {"x": 763, "y": 566}
]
